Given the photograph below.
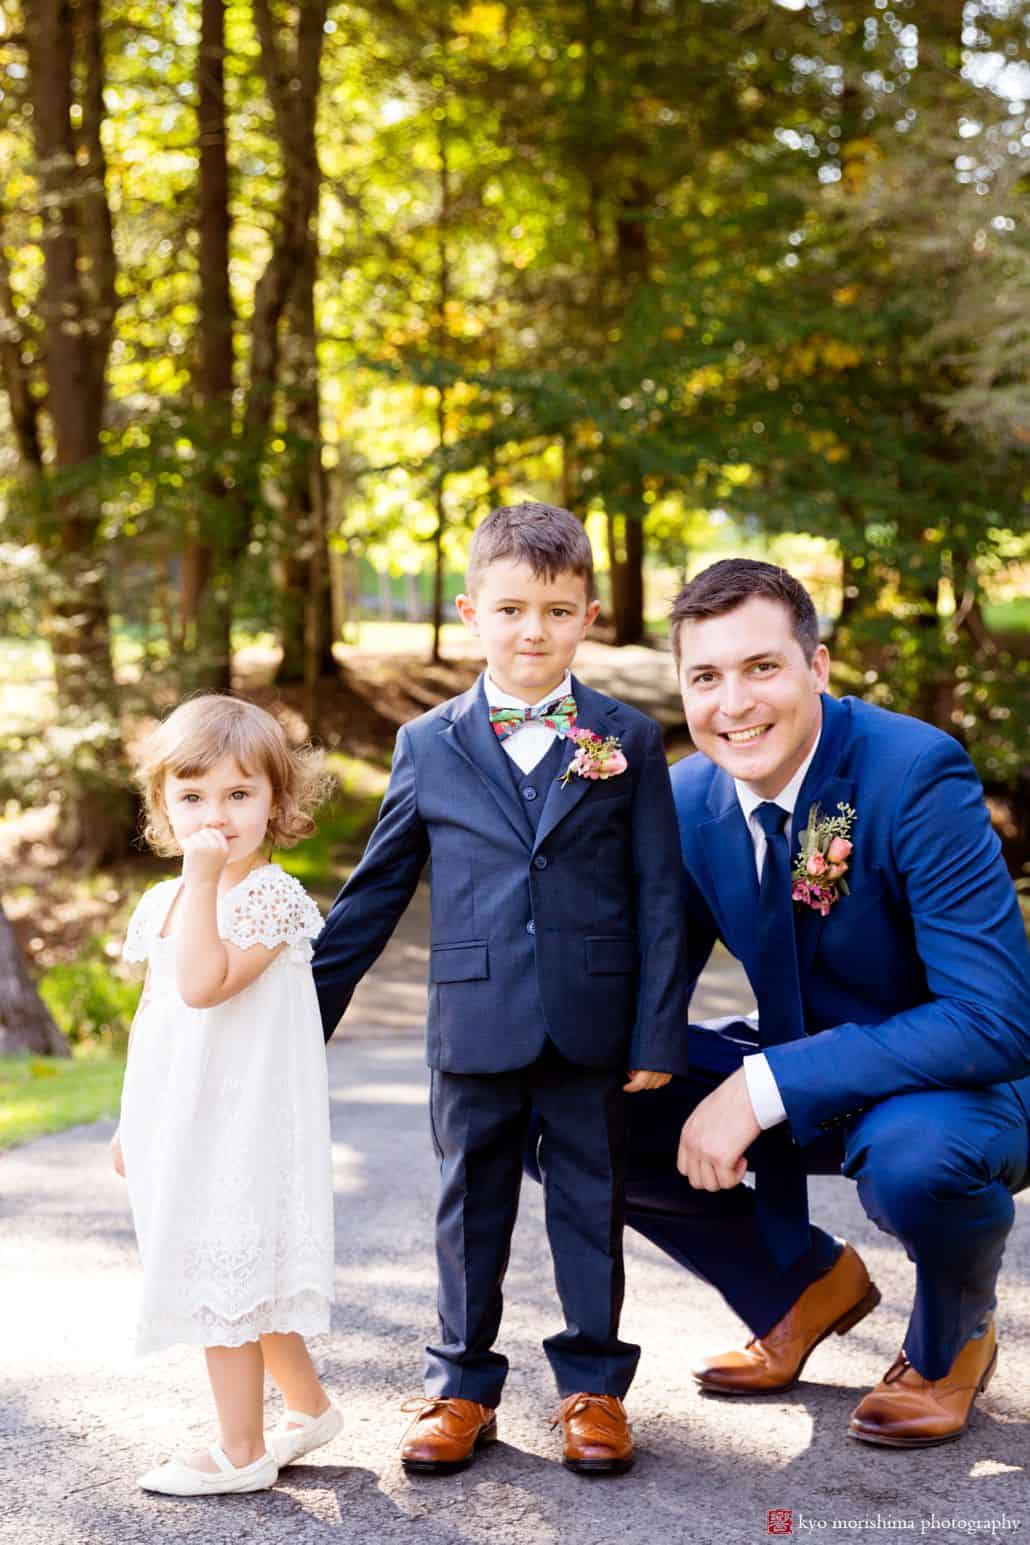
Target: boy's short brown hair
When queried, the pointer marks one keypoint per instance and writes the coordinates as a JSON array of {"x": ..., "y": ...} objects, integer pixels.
[
  {"x": 198, "y": 734},
  {"x": 550, "y": 540},
  {"x": 725, "y": 585}
]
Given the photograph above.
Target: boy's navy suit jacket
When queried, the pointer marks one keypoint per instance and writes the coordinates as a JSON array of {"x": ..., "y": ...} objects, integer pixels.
[
  {"x": 574, "y": 931},
  {"x": 920, "y": 977}
]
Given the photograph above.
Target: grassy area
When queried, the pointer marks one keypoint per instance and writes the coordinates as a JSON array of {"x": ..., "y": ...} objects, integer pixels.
[
  {"x": 1011, "y": 616},
  {"x": 343, "y": 823},
  {"x": 48, "y": 1094}
]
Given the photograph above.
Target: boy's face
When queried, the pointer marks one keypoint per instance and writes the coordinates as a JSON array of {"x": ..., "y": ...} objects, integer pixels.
[
  {"x": 750, "y": 696},
  {"x": 530, "y": 626}
]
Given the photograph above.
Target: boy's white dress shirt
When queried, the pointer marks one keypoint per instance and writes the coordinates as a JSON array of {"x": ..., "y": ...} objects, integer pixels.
[{"x": 530, "y": 743}]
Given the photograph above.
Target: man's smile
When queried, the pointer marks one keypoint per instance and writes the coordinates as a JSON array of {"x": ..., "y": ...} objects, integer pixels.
[{"x": 745, "y": 737}]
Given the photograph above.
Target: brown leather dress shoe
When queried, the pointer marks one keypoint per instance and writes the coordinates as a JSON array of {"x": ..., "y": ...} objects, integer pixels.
[
  {"x": 445, "y": 1435},
  {"x": 835, "y": 1301},
  {"x": 596, "y": 1433},
  {"x": 907, "y": 1411}
]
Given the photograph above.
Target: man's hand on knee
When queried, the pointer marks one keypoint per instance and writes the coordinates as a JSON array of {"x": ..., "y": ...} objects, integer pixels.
[{"x": 717, "y": 1135}]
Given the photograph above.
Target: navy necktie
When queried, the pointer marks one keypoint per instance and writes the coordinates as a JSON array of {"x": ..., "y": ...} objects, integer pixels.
[{"x": 781, "y": 1191}]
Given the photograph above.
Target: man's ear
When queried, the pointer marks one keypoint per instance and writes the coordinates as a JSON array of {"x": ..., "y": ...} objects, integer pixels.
[
  {"x": 821, "y": 668},
  {"x": 465, "y": 606}
]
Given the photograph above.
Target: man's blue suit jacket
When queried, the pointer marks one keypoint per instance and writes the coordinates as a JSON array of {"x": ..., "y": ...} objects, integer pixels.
[
  {"x": 920, "y": 978},
  {"x": 574, "y": 931}
]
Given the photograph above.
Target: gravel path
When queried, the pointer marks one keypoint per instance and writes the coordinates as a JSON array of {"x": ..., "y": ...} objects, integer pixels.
[{"x": 80, "y": 1417}]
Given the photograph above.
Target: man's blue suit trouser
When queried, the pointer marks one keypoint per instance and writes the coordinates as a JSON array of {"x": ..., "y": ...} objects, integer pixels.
[{"x": 935, "y": 1169}]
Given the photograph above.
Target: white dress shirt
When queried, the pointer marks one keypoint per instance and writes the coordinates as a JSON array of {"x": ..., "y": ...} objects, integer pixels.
[
  {"x": 758, "y": 1075},
  {"x": 530, "y": 743}
]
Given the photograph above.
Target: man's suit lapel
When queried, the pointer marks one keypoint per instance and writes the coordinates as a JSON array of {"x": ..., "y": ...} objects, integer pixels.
[
  {"x": 470, "y": 735},
  {"x": 731, "y": 861},
  {"x": 593, "y": 712},
  {"x": 823, "y": 787}
]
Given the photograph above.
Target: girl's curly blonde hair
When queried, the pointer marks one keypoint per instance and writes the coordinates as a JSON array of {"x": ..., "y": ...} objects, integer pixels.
[{"x": 198, "y": 734}]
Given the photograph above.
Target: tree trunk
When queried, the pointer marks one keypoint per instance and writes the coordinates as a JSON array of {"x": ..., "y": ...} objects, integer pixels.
[
  {"x": 443, "y": 300},
  {"x": 570, "y": 477},
  {"x": 292, "y": 84},
  {"x": 626, "y": 561},
  {"x": 291, "y": 71},
  {"x": 303, "y": 572},
  {"x": 969, "y": 617},
  {"x": 633, "y": 266},
  {"x": 439, "y": 556},
  {"x": 25, "y": 1022},
  {"x": 16, "y": 374},
  {"x": 205, "y": 617},
  {"x": 859, "y": 585},
  {"x": 78, "y": 304}
]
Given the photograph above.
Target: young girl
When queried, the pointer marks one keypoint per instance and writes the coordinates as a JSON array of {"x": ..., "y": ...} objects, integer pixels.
[{"x": 224, "y": 1135}]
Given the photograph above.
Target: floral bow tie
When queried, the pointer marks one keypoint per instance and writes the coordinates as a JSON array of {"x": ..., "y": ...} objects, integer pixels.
[{"x": 558, "y": 715}]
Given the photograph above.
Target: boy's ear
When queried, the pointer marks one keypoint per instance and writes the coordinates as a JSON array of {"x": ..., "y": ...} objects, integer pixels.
[
  {"x": 590, "y": 616},
  {"x": 465, "y": 606}
]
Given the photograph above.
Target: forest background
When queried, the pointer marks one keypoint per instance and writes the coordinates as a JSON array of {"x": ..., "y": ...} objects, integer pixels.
[{"x": 291, "y": 294}]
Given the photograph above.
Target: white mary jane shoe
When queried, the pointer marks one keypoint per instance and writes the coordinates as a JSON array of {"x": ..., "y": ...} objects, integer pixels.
[
  {"x": 176, "y": 1479},
  {"x": 290, "y": 1443}
]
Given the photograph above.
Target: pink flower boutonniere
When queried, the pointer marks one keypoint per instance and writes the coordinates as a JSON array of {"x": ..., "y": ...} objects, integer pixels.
[
  {"x": 594, "y": 758},
  {"x": 822, "y": 862}
]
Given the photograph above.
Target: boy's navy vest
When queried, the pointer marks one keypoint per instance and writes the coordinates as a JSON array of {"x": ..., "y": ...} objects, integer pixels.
[{"x": 533, "y": 787}]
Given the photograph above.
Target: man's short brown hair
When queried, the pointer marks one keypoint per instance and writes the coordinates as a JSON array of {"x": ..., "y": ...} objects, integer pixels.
[
  {"x": 550, "y": 540},
  {"x": 725, "y": 585}
]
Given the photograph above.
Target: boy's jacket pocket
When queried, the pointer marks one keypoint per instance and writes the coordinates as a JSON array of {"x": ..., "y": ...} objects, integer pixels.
[
  {"x": 458, "y": 962},
  {"x": 611, "y": 957}
]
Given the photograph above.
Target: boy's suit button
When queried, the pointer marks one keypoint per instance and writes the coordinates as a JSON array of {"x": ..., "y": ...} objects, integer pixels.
[
  {"x": 529, "y": 793},
  {"x": 540, "y": 862},
  {"x": 531, "y": 926}
]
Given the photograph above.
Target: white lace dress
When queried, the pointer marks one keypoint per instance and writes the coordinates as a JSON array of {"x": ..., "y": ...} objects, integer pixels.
[{"x": 225, "y": 1131}]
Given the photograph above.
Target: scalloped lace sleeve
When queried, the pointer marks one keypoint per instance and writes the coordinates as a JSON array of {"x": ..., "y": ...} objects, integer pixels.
[
  {"x": 144, "y": 923},
  {"x": 270, "y": 907}
]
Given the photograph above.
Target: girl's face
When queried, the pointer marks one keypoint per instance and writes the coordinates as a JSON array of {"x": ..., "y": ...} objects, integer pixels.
[{"x": 224, "y": 798}]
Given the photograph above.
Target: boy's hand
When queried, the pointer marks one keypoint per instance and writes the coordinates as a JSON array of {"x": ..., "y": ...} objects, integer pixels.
[
  {"x": 204, "y": 855},
  {"x": 641, "y": 1080},
  {"x": 117, "y": 1157}
]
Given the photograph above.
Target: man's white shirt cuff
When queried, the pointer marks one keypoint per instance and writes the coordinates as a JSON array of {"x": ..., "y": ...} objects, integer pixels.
[{"x": 763, "y": 1091}]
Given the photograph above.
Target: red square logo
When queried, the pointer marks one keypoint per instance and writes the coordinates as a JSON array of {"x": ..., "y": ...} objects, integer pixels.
[{"x": 779, "y": 1520}]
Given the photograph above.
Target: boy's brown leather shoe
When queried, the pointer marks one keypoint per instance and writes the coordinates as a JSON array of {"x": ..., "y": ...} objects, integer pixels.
[
  {"x": 907, "y": 1411},
  {"x": 596, "y": 1433},
  {"x": 833, "y": 1302},
  {"x": 445, "y": 1435}
]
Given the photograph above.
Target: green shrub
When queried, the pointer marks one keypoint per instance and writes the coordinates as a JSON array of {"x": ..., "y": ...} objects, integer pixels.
[{"x": 88, "y": 1001}]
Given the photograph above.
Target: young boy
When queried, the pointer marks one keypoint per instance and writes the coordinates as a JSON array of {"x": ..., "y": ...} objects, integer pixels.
[{"x": 556, "y": 976}]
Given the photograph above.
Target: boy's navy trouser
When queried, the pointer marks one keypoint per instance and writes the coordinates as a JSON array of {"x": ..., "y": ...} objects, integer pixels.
[{"x": 480, "y": 1126}]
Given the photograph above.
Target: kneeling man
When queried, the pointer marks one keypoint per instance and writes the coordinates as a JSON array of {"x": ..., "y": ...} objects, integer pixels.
[{"x": 844, "y": 855}]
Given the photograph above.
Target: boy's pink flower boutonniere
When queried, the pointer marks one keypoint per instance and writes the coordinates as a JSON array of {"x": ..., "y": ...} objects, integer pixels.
[
  {"x": 822, "y": 861},
  {"x": 594, "y": 758}
]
